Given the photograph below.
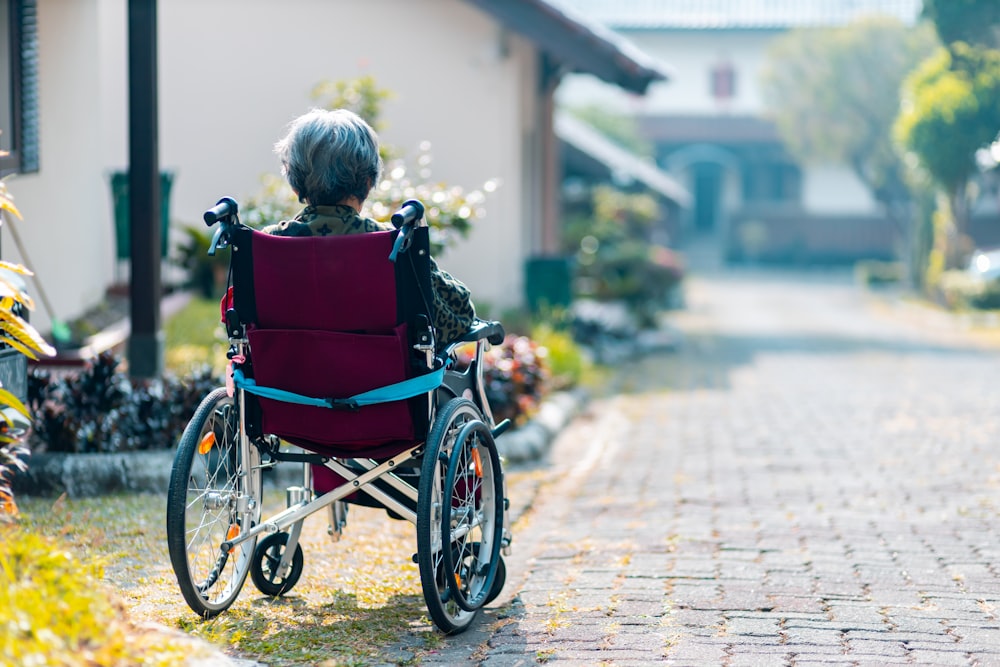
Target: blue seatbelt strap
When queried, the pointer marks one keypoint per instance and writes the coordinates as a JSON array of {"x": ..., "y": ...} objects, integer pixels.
[{"x": 393, "y": 392}]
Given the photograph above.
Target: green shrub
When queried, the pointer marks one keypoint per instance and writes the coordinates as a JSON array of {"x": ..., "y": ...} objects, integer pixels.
[
  {"x": 567, "y": 363},
  {"x": 616, "y": 259},
  {"x": 102, "y": 409},
  {"x": 515, "y": 375},
  {"x": 195, "y": 338},
  {"x": 874, "y": 273},
  {"x": 959, "y": 290},
  {"x": 988, "y": 297},
  {"x": 206, "y": 274},
  {"x": 55, "y": 611}
]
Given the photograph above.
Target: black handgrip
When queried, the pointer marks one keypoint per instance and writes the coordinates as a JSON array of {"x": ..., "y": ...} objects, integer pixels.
[
  {"x": 226, "y": 207},
  {"x": 411, "y": 210}
]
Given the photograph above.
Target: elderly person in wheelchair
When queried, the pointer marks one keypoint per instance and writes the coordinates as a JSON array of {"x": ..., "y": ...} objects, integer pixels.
[
  {"x": 331, "y": 159},
  {"x": 342, "y": 333}
]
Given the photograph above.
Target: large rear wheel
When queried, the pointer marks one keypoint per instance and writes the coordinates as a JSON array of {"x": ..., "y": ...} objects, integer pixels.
[
  {"x": 214, "y": 496},
  {"x": 472, "y": 522},
  {"x": 459, "y": 516}
]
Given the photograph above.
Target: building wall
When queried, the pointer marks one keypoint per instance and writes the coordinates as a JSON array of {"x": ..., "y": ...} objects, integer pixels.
[
  {"x": 836, "y": 190},
  {"x": 690, "y": 56},
  {"x": 66, "y": 229},
  {"x": 230, "y": 81}
]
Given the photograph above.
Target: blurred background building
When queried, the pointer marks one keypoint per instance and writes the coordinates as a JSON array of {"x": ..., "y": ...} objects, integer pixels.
[{"x": 711, "y": 133}]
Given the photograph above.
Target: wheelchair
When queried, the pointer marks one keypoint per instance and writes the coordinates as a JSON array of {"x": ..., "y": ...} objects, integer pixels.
[{"x": 333, "y": 366}]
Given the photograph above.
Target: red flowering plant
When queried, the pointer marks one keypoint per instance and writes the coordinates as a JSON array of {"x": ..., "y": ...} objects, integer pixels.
[{"x": 516, "y": 375}]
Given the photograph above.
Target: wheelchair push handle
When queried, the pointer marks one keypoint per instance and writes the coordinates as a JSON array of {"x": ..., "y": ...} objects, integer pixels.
[
  {"x": 226, "y": 207},
  {"x": 224, "y": 212},
  {"x": 411, "y": 211}
]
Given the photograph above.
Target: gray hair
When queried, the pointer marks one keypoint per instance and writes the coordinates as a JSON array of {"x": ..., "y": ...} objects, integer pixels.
[{"x": 328, "y": 156}]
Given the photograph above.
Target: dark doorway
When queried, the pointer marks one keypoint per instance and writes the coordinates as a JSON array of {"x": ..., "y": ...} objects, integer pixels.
[{"x": 707, "y": 195}]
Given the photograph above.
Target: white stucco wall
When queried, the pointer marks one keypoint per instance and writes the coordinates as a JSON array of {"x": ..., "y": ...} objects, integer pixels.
[
  {"x": 232, "y": 78},
  {"x": 67, "y": 220},
  {"x": 690, "y": 56},
  {"x": 832, "y": 189}
]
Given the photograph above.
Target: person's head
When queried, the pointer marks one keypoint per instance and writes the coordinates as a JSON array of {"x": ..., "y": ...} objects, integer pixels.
[{"x": 330, "y": 156}]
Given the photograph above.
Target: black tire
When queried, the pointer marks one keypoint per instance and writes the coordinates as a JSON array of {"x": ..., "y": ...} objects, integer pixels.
[
  {"x": 498, "y": 581},
  {"x": 472, "y": 521},
  {"x": 266, "y": 561},
  {"x": 211, "y": 498},
  {"x": 443, "y": 609}
]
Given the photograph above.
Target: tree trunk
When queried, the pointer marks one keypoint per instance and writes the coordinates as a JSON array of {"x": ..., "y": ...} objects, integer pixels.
[{"x": 958, "y": 242}]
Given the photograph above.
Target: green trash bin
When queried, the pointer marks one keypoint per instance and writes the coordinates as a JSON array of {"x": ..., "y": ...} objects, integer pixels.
[
  {"x": 119, "y": 195},
  {"x": 548, "y": 282}
]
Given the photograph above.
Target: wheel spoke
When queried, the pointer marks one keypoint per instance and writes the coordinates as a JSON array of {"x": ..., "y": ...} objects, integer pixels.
[{"x": 202, "y": 498}]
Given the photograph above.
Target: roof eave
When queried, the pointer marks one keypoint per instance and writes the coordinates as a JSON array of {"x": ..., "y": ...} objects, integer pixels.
[
  {"x": 592, "y": 144},
  {"x": 577, "y": 43}
]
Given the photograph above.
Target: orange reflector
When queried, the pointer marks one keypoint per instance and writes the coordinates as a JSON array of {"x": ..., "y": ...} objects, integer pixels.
[
  {"x": 232, "y": 534},
  {"x": 206, "y": 443},
  {"x": 477, "y": 462},
  {"x": 458, "y": 581}
]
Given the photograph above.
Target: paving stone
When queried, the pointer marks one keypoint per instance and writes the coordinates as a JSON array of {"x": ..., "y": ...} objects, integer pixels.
[
  {"x": 758, "y": 627},
  {"x": 874, "y": 647},
  {"x": 805, "y": 480},
  {"x": 932, "y": 657}
]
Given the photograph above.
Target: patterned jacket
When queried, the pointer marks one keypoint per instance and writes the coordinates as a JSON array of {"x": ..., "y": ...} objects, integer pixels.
[{"x": 454, "y": 311}]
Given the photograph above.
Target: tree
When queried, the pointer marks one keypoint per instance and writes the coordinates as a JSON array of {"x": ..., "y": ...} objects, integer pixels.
[
  {"x": 619, "y": 128},
  {"x": 833, "y": 95},
  {"x": 952, "y": 109},
  {"x": 974, "y": 22}
]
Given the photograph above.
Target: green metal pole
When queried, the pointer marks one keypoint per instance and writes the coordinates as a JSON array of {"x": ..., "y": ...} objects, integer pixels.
[{"x": 145, "y": 348}]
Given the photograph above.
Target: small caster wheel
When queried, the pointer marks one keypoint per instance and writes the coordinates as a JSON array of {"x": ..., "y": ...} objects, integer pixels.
[
  {"x": 470, "y": 554},
  {"x": 338, "y": 520},
  {"x": 266, "y": 559}
]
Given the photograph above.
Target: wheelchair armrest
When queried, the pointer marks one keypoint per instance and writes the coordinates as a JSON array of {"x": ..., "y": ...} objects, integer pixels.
[{"x": 491, "y": 331}]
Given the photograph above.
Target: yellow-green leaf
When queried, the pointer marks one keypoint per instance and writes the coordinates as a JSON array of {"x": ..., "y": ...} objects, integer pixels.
[
  {"x": 9, "y": 399},
  {"x": 24, "y": 332},
  {"x": 7, "y": 205},
  {"x": 17, "y": 345},
  {"x": 7, "y": 288},
  {"x": 16, "y": 268}
]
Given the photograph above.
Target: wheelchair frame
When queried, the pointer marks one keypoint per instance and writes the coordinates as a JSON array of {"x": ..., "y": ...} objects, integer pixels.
[{"x": 216, "y": 535}]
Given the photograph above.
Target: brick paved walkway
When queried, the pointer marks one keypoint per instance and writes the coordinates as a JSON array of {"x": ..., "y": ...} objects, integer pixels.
[{"x": 805, "y": 482}]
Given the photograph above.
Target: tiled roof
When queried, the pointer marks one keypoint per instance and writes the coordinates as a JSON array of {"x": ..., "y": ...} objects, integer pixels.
[{"x": 738, "y": 14}]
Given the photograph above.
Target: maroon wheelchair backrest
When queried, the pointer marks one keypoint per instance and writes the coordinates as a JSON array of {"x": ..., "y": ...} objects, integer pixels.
[
  {"x": 323, "y": 321},
  {"x": 330, "y": 283}
]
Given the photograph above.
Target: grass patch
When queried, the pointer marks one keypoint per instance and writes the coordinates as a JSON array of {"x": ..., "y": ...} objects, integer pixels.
[
  {"x": 359, "y": 601},
  {"x": 195, "y": 338},
  {"x": 56, "y": 610}
]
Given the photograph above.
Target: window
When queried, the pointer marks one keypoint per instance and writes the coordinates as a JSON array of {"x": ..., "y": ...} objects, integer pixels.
[
  {"x": 18, "y": 86},
  {"x": 723, "y": 82},
  {"x": 771, "y": 182}
]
